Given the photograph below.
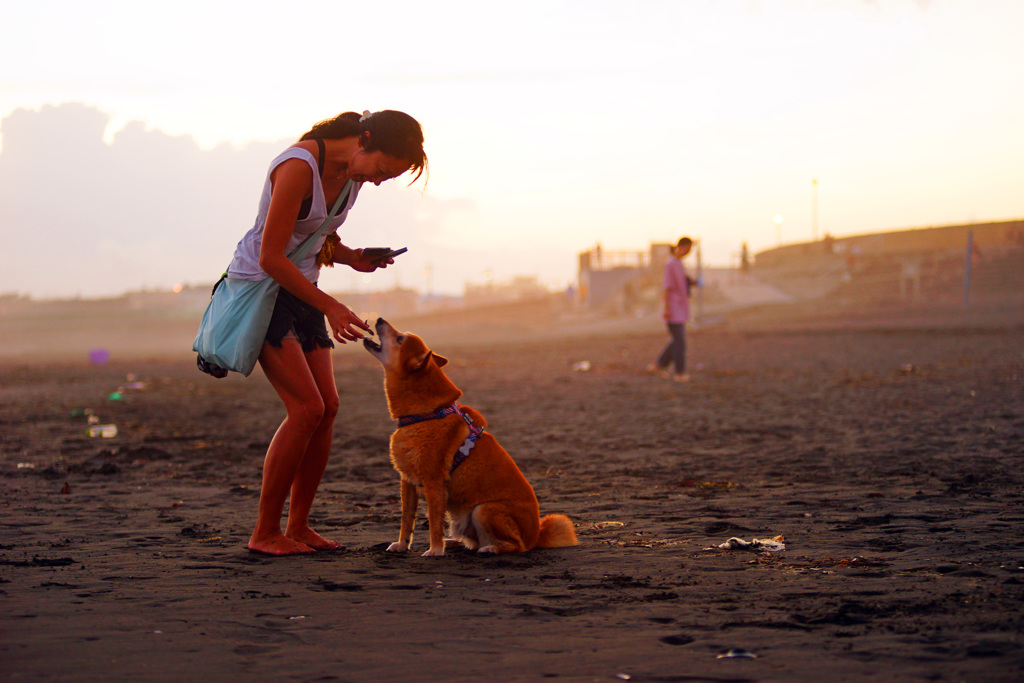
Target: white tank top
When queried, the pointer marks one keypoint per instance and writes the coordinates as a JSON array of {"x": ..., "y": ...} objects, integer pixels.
[{"x": 246, "y": 262}]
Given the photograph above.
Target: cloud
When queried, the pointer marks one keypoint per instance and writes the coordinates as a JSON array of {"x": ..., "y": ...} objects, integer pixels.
[{"x": 81, "y": 217}]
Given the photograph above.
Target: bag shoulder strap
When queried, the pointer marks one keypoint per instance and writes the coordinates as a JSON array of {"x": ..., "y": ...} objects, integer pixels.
[{"x": 303, "y": 249}]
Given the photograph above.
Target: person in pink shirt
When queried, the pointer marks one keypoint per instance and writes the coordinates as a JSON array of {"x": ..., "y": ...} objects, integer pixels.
[{"x": 676, "y": 312}]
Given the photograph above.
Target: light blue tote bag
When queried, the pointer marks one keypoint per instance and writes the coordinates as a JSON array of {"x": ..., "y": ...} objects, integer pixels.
[{"x": 235, "y": 323}]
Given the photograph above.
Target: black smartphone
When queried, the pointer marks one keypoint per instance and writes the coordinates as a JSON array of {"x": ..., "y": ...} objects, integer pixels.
[{"x": 385, "y": 253}]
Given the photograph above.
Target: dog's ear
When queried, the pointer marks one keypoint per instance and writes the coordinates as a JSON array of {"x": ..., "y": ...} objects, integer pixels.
[
  {"x": 440, "y": 360},
  {"x": 419, "y": 362}
]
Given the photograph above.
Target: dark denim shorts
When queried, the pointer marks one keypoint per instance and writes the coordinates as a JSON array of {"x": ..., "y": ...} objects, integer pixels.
[{"x": 293, "y": 315}]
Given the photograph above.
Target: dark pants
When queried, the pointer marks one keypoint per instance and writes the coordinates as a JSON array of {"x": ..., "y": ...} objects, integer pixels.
[{"x": 675, "y": 351}]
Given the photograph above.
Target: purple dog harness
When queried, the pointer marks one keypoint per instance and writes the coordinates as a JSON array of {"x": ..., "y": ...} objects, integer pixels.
[{"x": 453, "y": 409}]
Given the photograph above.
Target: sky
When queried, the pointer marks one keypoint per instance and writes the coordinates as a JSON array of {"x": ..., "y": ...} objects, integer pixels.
[{"x": 135, "y": 136}]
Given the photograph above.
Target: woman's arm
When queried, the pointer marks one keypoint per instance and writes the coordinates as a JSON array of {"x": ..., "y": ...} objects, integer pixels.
[
  {"x": 357, "y": 260},
  {"x": 292, "y": 181}
]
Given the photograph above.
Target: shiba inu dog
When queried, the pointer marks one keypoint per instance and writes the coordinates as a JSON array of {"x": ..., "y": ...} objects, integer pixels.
[{"x": 441, "y": 451}]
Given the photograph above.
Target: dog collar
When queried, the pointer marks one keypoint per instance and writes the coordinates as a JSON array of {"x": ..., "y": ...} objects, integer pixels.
[{"x": 445, "y": 411}]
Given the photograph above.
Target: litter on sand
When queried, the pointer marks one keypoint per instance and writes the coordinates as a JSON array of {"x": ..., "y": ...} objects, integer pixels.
[
  {"x": 764, "y": 545},
  {"x": 104, "y": 431},
  {"x": 608, "y": 525},
  {"x": 737, "y": 654}
]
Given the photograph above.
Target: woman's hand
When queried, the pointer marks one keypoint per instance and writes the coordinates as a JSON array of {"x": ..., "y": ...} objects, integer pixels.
[
  {"x": 359, "y": 260},
  {"x": 345, "y": 325}
]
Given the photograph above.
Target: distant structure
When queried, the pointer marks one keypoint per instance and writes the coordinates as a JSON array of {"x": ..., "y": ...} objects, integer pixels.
[
  {"x": 902, "y": 243},
  {"x": 926, "y": 264},
  {"x": 620, "y": 281},
  {"x": 520, "y": 288},
  {"x": 922, "y": 264},
  {"x": 391, "y": 302}
]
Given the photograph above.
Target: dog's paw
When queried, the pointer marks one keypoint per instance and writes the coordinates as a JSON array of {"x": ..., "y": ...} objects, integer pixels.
[
  {"x": 398, "y": 547},
  {"x": 488, "y": 550},
  {"x": 434, "y": 552}
]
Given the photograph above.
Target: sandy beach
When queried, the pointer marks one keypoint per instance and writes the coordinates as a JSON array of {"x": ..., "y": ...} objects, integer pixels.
[{"x": 886, "y": 453}]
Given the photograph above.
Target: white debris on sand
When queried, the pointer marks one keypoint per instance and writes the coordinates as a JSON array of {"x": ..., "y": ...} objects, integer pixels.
[{"x": 764, "y": 545}]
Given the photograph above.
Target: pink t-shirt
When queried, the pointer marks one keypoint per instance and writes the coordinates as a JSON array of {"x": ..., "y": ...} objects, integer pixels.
[{"x": 677, "y": 292}]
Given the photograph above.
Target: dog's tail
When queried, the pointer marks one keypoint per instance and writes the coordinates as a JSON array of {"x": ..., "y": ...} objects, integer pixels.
[{"x": 556, "y": 531}]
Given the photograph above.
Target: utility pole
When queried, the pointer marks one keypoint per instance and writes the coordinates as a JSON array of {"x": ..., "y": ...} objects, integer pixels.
[{"x": 814, "y": 209}]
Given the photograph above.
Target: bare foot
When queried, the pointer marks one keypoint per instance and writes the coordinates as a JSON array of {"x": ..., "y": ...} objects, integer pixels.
[
  {"x": 308, "y": 537},
  {"x": 278, "y": 545}
]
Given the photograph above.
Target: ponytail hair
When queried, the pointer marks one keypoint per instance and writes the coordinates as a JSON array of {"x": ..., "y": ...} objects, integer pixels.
[{"x": 392, "y": 132}]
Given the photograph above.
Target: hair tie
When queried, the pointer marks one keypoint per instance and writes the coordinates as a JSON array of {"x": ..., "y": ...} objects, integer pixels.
[{"x": 366, "y": 114}]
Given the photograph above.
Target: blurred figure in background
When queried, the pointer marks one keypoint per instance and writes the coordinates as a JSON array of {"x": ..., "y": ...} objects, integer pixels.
[{"x": 676, "y": 312}]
